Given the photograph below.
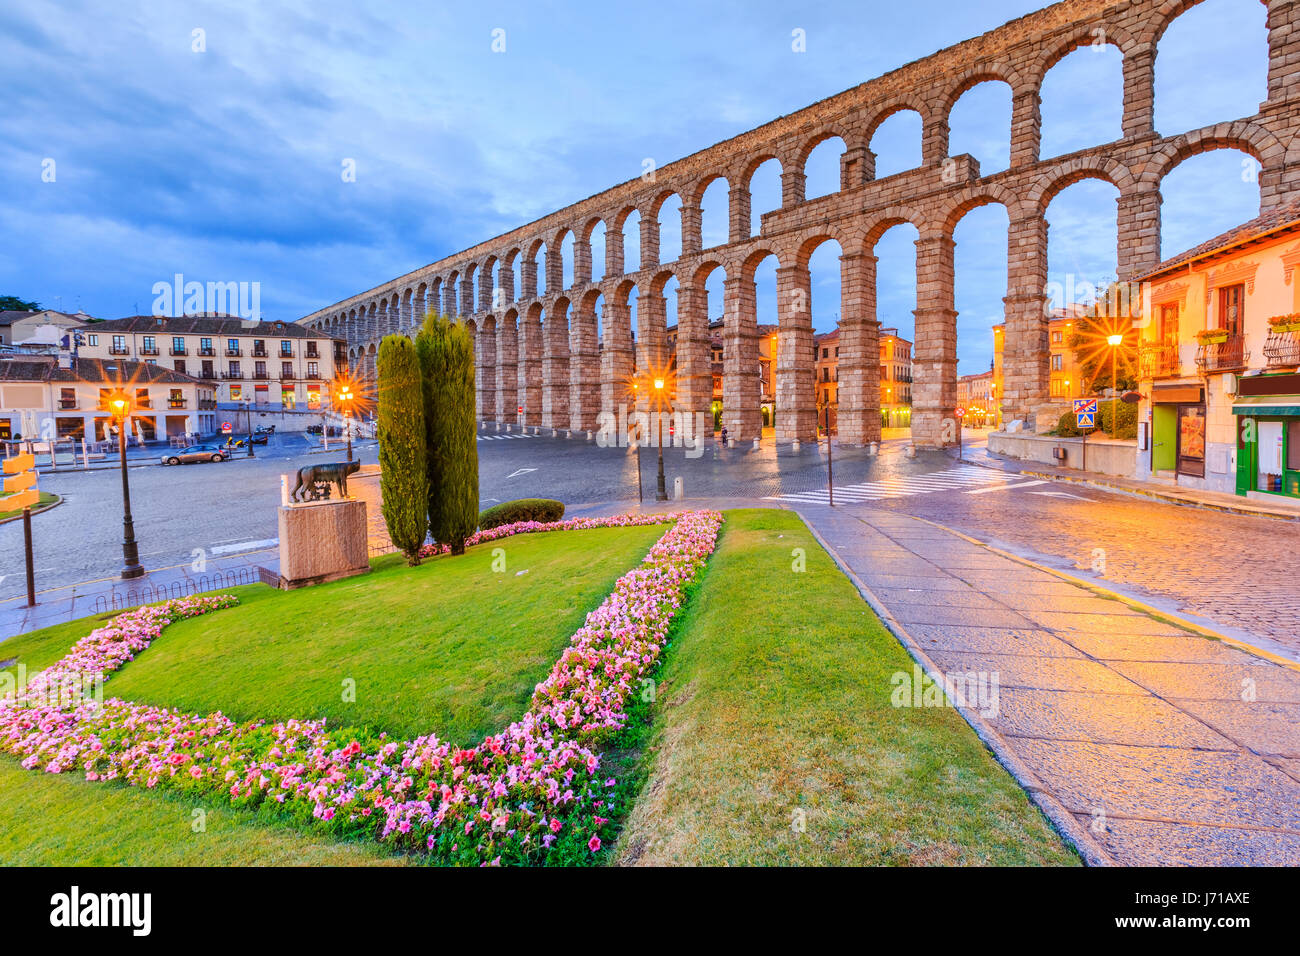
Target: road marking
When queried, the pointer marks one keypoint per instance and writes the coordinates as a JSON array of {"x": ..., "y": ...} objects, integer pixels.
[
  {"x": 902, "y": 486},
  {"x": 1059, "y": 494},
  {"x": 1023, "y": 484},
  {"x": 521, "y": 471},
  {"x": 244, "y": 546}
]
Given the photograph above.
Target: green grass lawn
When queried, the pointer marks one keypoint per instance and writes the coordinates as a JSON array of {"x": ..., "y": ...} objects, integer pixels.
[
  {"x": 61, "y": 820},
  {"x": 451, "y": 647},
  {"x": 775, "y": 697}
]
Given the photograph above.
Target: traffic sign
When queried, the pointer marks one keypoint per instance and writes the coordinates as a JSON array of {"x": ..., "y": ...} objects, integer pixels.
[
  {"x": 24, "y": 499},
  {"x": 19, "y": 463},
  {"x": 961, "y": 413},
  {"x": 226, "y": 428},
  {"x": 1085, "y": 412}
]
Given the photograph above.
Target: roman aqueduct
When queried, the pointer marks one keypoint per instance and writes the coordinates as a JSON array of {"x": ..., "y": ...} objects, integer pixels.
[{"x": 541, "y": 353}]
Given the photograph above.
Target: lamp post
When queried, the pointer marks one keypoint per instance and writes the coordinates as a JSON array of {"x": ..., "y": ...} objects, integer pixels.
[
  {"x": 248, "y": 408},
  {"x": 119, "y": 405},
  {"x": 1114, "y": 342},
  {"x": 830, "y": 478},
  {"x": 662, "y": 493},
  {"x": 345, "y": 400}
]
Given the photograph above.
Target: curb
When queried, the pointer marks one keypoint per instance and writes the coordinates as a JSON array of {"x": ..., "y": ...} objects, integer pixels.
[
  {"x": 58, "y": 500},
  {"x": 1169, "y": 617},
  {"x": 1074, "y": 833}
]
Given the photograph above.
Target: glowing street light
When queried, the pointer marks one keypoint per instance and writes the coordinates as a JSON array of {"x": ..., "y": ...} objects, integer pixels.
[
  {"x": 119, "y": 406},
  {"x": 345, "y": 398},
  {"x": 661, "y": 494}
]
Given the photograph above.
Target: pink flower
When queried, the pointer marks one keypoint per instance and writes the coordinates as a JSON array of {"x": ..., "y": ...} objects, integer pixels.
[{"x": 593, "y": 844}]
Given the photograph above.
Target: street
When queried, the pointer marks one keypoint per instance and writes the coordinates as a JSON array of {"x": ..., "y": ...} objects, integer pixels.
[{"x": 1233, "y": 570}]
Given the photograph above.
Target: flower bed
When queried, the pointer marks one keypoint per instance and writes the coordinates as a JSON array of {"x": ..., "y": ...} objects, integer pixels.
[{"x": 530, "y": 793}]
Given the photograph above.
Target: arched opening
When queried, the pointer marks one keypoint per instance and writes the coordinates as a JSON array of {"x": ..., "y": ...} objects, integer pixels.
[
  {"x": 980, "y": 124},
  {"x": 670, "y": 229},
  {"x": 764, "y": 193},
  {"x": 715, "y": 213},
  {"x": 895, "y": 253},
  {"x": 1083, "y": 100},
  {"x": 822, "y": 168},
  {"x": 632, "y": 242},
  {"x": 980, "y": 285},
  {"x": 596, "y": 243},
  {"x": 1198, "y": 82},
  {"x": 539, "y": 265},
  {"x": 566, "y": 260},
  {"x": 1206, "y": 195},
  {"x": 824, "y": 309},
  {"x": 897, "y": 143}
]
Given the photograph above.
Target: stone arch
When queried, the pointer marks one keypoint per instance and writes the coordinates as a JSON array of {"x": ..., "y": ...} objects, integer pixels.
[
  {"x": 1081, "y": 35},
  {"x": 827, "y": 131},
  {"x": 968, "y": 79},
  {"x": 963, "y": 202},
  {"x": 749, "y": 265},
  {"x": 1247, "y": 137},
  {"x": 885, "y": 220},
  {"x": 1085, "y": 167},
  {"x": 882, "y": 113},
  {"x": 1158, "y": 22}
]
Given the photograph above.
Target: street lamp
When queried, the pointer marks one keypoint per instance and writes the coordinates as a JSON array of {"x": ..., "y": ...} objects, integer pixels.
[
  {"x": 345, "y": 400},
  {"x": 1114, "y": 342},
  {"x": 662, "y": 493},
  {"x": 248, "y": 408},
  {"x": 119, "y": 406}
]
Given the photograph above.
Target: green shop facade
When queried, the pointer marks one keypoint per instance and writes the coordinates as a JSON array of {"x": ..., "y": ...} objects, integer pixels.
[{"x": 1267, "y": 412}]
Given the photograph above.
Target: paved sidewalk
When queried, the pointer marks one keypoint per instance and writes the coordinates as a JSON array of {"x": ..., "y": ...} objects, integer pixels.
[{"x": 1144, "y": 743}]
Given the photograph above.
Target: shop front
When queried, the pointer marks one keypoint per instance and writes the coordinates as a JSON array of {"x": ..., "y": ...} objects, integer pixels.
[
  {"x": 1267, "y": 410},
  {"x": 1178, "y": 430}
]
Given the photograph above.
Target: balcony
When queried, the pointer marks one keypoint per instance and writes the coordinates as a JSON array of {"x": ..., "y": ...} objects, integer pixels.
[
  {"x": 1282, "y": 349},
  {"x": 1159, "y": 361},
  {"x": 208, "y": 352},
  {"x": 234, "y": 353},
  {"x": 259, "y": 353},
  {"x": 176, "y": 351},
  {"x": 143, "y": 403},
  {"x": 1230, "y": 355},
  {"x": 285, "y": 355},
  {"x": 313, "y": 376},
  {"x": 68, "y": 404},
  {"x": 261, "y": 375},
  {"x": 312, "y": 353},
  {"x": 208, "y": 374},
  {"x": 148, "y": 350},
  {"x": 232, "y": 374},
  {"x": 177, "y": 402},
  {"x": 207, "y": 404},
  {"x": 118, "y": 350}
]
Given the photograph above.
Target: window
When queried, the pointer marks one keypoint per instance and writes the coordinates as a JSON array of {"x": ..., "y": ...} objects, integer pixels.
[
  {"x": 259, "y": 346},
  {"x": 67, "y": 398},
  {"x": 1056, "y": 388},
  {"x": 313, "y": 398},
  {"x": 150, "y": 346},
  {"x": 1232, "y": 309},
  {"x": 178, "y": 345},
  {"x": 1058, "y": 337},
  {"x": 142, "y": 398},
  {"x": 234, "y": 370},
  {"x": 1169, "y": 324},
  {"x": 313, "y": 370},
  {"x": 92, "y": 339},
  {"x": 205, "y": 346},
  {"x": 286, "y": 347},
  {"x": 286, "y": 370},
  {"x": 176, "y": 399},
  {"x": 179, "y": 366},
  {"x": 1056, "y": 362},
  {"x": 287, "y": 397},
  {"x": 259, "y": 370},
  {"x": 119, "y": 345},
  {"x": 232, "y": 345},
  {"x": 826, "y": 374},
  {"x": 825, "y": 353},
  {"x": 1293, "y": 445}
]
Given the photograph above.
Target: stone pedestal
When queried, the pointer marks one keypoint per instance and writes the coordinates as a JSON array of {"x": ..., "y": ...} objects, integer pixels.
[{"x": 322, "y": 541}]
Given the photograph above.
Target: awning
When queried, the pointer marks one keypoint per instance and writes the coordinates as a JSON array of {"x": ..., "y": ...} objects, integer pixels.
[
  {"x": 1181, "y": 394},
  {"x": 1279, "y": 405}
]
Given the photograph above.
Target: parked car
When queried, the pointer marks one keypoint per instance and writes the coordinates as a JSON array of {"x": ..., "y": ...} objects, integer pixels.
[{"x": 193, "y": 453}]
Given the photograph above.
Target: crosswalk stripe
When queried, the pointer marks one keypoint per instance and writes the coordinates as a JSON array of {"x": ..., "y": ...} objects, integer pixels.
[{"x": 954, "y": 479}]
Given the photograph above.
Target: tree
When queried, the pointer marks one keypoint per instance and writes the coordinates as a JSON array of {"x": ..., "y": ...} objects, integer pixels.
[
  {"x": 446, "y": 353},
  {"x": 403, "y": 456},
  {"x": 11, "y": 303},
  {"x": 1112, "y": 315}
]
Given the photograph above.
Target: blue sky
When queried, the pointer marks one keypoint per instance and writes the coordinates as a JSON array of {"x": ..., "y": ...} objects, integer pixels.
[{"x": 225, "y": 164}]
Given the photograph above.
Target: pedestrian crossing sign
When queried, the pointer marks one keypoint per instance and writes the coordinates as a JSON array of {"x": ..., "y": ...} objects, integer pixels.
[{"x": 1085, "y": 412}]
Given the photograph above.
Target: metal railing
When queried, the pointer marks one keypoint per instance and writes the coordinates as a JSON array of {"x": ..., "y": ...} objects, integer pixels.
[
  {"x": 117, "y": 600},
  {"x": 1159, "y": 361},
  {"x": 1229, "y": 355},
  {"x": 1282, "y": 349}
]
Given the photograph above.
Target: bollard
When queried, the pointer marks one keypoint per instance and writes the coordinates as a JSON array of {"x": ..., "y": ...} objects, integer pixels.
[
  {"x": 756, "y": 440},
  {"x": 588, "y": 436},
  {"x": 794, "y": 445},
  {"x": 679, "y": 489}
]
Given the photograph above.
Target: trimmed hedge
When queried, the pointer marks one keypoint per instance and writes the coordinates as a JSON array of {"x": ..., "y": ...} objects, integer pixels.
[
  {"x": 522, "y": 509},
  {"x": 1127, "y": 415}
]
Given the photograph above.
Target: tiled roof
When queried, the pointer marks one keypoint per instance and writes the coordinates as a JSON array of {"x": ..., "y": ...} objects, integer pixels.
[
  {"x": 1288, "y": 214},
  {"x": 92, "y": 371},
  {"x": 216, "y": 326}
]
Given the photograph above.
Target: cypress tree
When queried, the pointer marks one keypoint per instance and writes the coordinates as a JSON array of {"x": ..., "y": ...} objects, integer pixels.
[
  {"x": 446, "y": 352},
  {"x": 403, "y": 457}
]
